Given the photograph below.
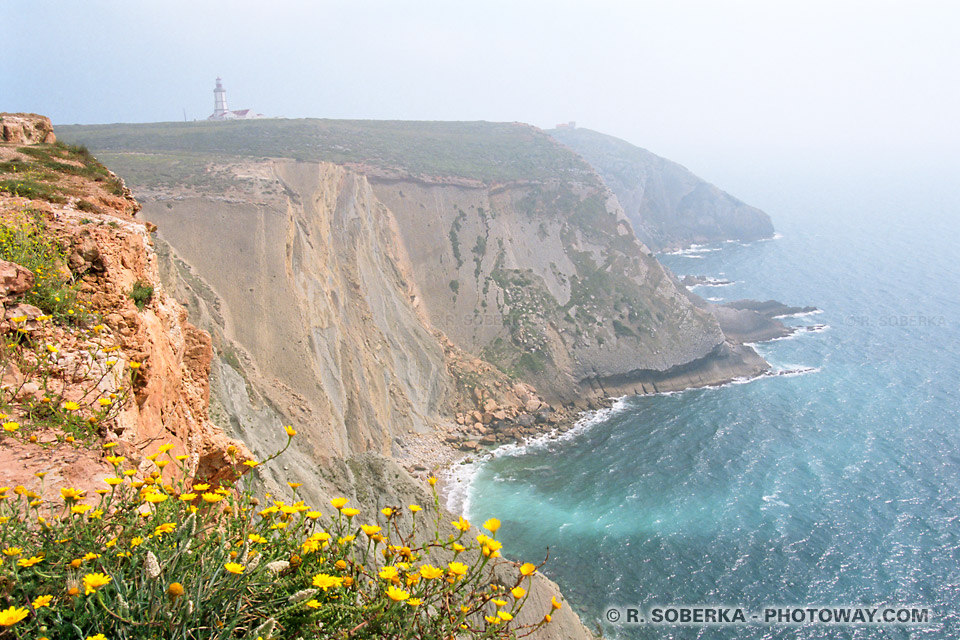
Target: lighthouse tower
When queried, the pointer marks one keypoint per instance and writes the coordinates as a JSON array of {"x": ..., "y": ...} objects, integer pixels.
[{"x": 219, "y": 100}]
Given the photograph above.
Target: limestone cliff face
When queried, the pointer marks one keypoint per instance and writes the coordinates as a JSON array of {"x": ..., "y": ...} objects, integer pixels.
[
  {"x": 306, "y": 297},
  {"x": 668, "y": 206},
  {"x": 545, "y": 280},
  {"x": 89, "y": 213}
]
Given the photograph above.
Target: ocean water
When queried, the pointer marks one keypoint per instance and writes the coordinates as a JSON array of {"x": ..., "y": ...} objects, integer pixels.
[{"x": 837, "y": 486}]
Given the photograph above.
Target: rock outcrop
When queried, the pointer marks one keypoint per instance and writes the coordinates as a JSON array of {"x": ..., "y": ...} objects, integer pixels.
[
  {"x": 26, "y": 128},
  {"x": 82, "y": 208},
  {"x": 668, "y": 206}
]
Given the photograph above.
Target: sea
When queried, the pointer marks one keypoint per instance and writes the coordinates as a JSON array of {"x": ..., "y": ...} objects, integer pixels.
[{"x": 832, "y": 486}]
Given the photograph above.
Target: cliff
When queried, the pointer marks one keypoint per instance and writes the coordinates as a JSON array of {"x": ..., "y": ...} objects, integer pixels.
[
  {"x": 367, "y": 282},
  {"x": 668, "y": 205},
  {"x": 83, "y": 361}
]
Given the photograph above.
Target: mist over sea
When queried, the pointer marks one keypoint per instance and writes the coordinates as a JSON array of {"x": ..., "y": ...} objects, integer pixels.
[{"x": 836, "y": 485}]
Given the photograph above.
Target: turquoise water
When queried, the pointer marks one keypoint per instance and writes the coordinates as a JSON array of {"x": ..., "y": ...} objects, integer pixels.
[{"x": 835, "y": 487}]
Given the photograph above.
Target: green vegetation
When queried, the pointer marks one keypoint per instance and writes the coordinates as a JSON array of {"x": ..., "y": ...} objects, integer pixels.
[
  {"x": 487, "y": 151},
  {"x": 41, "y": 177},
  {"x": 141, "y": 294},
  {"x": 151, "y": 557},
  {"x": 26, "y": 241}
]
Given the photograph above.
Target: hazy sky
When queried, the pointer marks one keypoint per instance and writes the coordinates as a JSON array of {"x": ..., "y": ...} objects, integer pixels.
[{"x": 700, "y": 82}]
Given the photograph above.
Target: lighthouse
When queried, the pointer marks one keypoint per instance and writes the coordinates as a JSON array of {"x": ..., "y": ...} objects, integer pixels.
[
  {"x": 220, "y": 110},
  {"x": 219, "y": 100}
]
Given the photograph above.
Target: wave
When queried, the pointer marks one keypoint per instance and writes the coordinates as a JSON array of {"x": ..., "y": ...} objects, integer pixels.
[
  {"x": 800, "y": 314},
  {"x": 458, "y": 479}
]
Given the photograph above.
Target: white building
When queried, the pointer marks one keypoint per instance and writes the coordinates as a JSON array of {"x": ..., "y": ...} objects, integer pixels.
[{"x": 220, "y": 110}]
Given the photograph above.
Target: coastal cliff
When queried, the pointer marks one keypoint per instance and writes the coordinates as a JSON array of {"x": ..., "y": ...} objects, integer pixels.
[
  {"x": 668, "y": 205},
  {"x": 394, "y": 289}
]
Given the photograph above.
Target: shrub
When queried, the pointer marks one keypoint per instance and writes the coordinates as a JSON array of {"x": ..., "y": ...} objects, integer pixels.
[
  {"x": 26, "y": 241},
  {"x": 141, "y": 294},
  {"x": 151, "y": 558}
]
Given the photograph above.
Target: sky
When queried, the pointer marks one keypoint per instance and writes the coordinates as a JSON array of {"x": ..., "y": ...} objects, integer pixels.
[{"x": 730, "y": 89}]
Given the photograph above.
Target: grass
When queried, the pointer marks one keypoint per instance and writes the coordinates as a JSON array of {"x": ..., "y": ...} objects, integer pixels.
[{"x": 487, "y": 151}]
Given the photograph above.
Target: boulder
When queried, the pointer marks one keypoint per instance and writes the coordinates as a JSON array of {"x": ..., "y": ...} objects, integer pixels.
[
  {"x": 469, "y": 445},
  {"x": 14, "y": 280},
  {"x": 532, "y": 405},
  {"x": 525, "y": 420},
  {"x": 26, "y": 128}
]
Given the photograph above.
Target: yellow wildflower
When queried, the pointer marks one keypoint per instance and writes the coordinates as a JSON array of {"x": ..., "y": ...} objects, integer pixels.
[
  {"x": 71, "y": 406},
  {"x": 527, "y": 569},
  {"x": 338, "y": 503},
  {"x": 324, "y": 581},
  {"x": 29, "y": 562},
  {"x": 430, "y": 572},
  {"x": 397, "y": 595},
  {"x": 13, "y": 615},
  {"x": 461, "y": 524},
  {"x": 234, "y": 568},
  {"x": 42, "y": 601},
  {"x": 93, "y": 581},
  {"x": 10, "y": 427},
  {"x": 491, "y": 525},
  {"x": 415, "y": 508},
  {"x": 457, "y": 568}
]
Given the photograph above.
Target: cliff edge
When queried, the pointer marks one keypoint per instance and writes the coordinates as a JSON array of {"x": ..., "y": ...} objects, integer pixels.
[{"x": 668, "y": 205}]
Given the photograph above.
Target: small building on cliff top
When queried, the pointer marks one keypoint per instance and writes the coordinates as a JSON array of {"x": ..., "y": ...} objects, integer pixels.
[{"x": 220, "y": 110}]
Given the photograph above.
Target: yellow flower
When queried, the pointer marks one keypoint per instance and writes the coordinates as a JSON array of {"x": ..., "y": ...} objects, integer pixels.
[
  {"x": 175, "y": 590},
  {"x": 324, "y": 581},
  {"x": 164, "y": 448},
  {"x": 313, "y": 515},
  {"x": 135, "y": 542},
  {"x": 91, "y": 556},
  {"x": 71, "y": 406},
  {"x": 370, "y": 529},
  {"x": 10, "y": 427},
  {"x": 13, "y": 615},
  {"x": 458, "y": 547},
  {"x": 387, "y": 511},
  {"x": 461, "y": 524},
  {"x": 93, "y": 581},
  {"x": 188, "y": 497},
  {"x": 99, "y": 636},
  {"x": 29, "y": 562},
  {"x": 116, "y": 460},
  {"x": 295, "y": 485},
  {"x": 397, "y": 595},
  {"x": 113, "y": 481},
  {"x": 234, "y": 568},
  {"x": 211, "y": 497},
  {"x": 253, "y": 537},
  {"x": 68, "y": 493},
  {"x": 12, "y": 551},
  {"x": 491, "y": 525},
  {"x": 290, "y": 431},
  {"x": 389, "y": 572},
  {"x": 518, "y": 592},
  {"x": 42, "y": 601},
  {"x": 135, "y": 365},
  {"x": 105, "y": 402},
  {"x": 338, "y": 503},
  {"x": 506, "y": 617},
  {"x": 163, "y": 529},
  {"x": 432, "y": 480},
  {"x": 414, "y": 602},
  {"x": 415, "y": 508},
  {"x": 527, "y": 569},
  {"x": 430, "y": 572},
  {"x": 154, "y": 497},
  {"x": 554, "y": 603},
  {"x": 109, "y": 445},
  {"x": 457, "y": 568},
  {"x": 350, "y": 512},
  {"x": 250, "y": 463},
  {"x": 314, "y": 604}
]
